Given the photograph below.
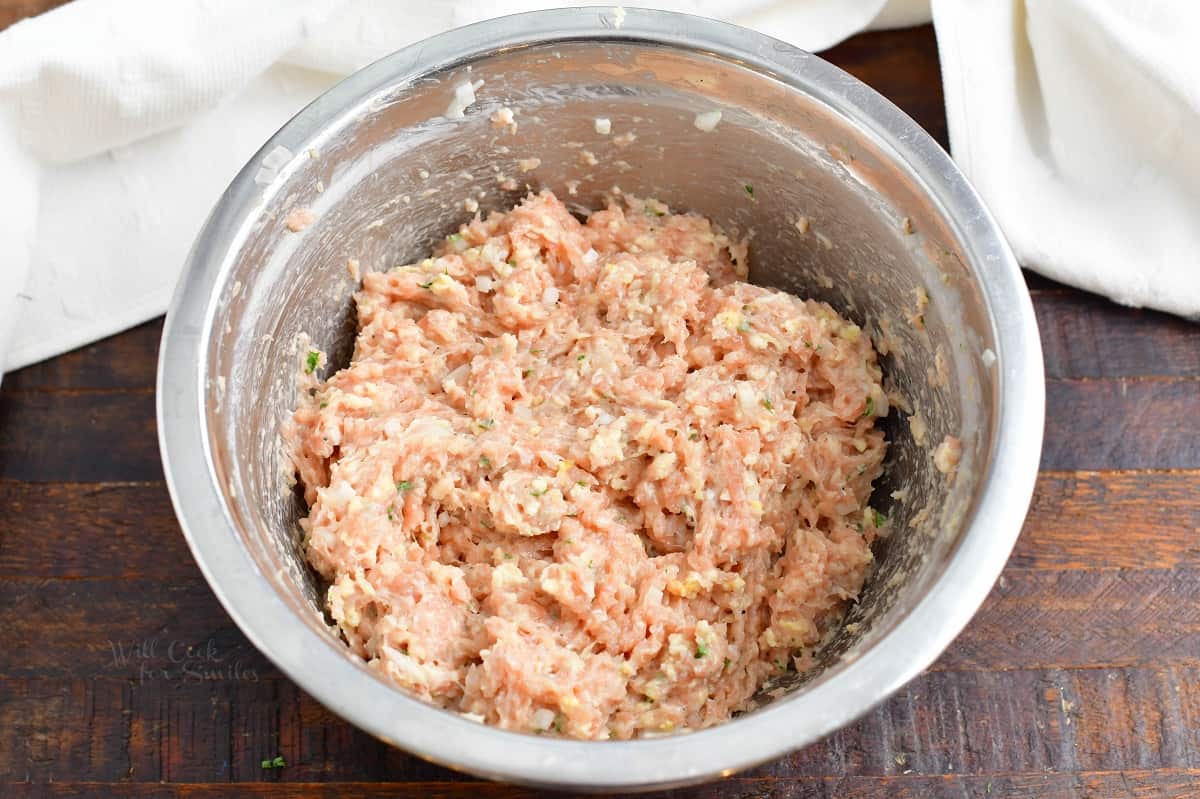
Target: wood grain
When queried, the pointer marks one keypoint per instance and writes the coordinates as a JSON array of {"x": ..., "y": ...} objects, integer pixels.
[
  {"x": 1124, "y": 520},
  {"x": 1087, "y": 336},
  {"x": 1126, "y": 784},
  {"x": 1078, "y": 520},
  {"x": 1083, "y": 618},
  {"x": 1016, "y": 722},
  {"x": 1032, "y": 619},
  {"x": 1148, "y": 423},
  {"x": 87, "y": 530},
  {"x": 128, "y": 360},
  {"x": 78, "y": 623},
  {"x": 78, "y": 436},
  {"x": 1080, "y": 676},
  {"x": 107, "y": 436}
]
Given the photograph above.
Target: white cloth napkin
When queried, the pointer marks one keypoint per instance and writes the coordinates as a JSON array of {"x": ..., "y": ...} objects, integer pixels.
[
  {"x": 1079, "y": 123},
  {"x": 121, "y": 121}
]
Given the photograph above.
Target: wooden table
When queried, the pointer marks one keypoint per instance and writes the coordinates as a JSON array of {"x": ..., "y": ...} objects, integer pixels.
[{"x": 122, "y": 676}]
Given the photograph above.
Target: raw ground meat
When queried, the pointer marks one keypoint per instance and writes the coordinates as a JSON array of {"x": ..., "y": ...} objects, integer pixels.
[{"x": 579, "y": 478}]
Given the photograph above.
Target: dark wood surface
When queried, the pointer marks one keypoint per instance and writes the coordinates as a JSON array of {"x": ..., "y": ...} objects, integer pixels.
[{"x": 121, "y": 675}]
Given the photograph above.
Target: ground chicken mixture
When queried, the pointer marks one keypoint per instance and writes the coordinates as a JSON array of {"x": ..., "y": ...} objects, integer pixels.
[{"x": 580, "y": 478}]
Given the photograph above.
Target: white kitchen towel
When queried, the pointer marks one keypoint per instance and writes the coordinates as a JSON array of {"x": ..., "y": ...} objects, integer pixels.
[
  {"x": 1079, "y": 123},
  {"x": 122, "y": 120}
]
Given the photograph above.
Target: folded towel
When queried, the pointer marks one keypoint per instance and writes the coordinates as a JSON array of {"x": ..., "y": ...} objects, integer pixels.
[{"x": 1079, "y": 123}]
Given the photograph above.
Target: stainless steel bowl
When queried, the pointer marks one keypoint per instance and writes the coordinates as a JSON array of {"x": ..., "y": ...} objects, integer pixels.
[{"x": 386, "y": 169}]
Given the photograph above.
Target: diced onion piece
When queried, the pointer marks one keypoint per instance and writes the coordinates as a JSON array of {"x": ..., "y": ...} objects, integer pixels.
[
  {"x": 464, "y": 95},
  {"x": 707, "y": 121},
  {"x": 542, "y": 718}
]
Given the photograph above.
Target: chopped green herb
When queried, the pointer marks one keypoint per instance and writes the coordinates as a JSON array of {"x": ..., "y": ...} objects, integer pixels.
[
  {"x": 536, "y": 493},
  {"x": 310, "y": 363},
  {"x": 766, "y": 403},
  {"x": 694, "y": 436},
  {"x": 403, "y": 485},
  {"x": 749, "y": 189},
  {"x": 454, "y": 237},
  {"x": 487, "y": 524},
  {"x": 559, "y": 722},
  {"x": 275, "y": 762},
  {"x": 701, "y": 651},
  {"x": 535, "y": 352},
  {"x": 743, "y": 325},
  {"x": 581, "y": 483},
  {"x": 526, "y": 372},
  {"x": 427, "y": 285},
  {"x": 870, "y": 409},
  {"x": 391, "y": 513},
  {"x": 486, "y": 424},
  {"x": 808, "y": 344},
  {"x": 512, "y": 262},
  {"x": 727, "y": 662},
  {"x": 485, "y": 462},
  {"x": 879, "y": 519},
  {"x": 580, "y": 357},
  {"x": 508, "y": 556},
  {"x": 324, "y": 404}
]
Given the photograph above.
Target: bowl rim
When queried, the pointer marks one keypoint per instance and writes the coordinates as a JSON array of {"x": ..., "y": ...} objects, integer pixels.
[{"x": 350, "y": 688}]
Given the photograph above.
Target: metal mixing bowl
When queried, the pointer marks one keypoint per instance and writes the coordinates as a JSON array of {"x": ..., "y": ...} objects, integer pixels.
[{"x": 386, "y": 169}]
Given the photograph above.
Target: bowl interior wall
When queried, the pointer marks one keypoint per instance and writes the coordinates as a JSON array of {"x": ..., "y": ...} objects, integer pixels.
[{"x": 389, "y": 178}]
